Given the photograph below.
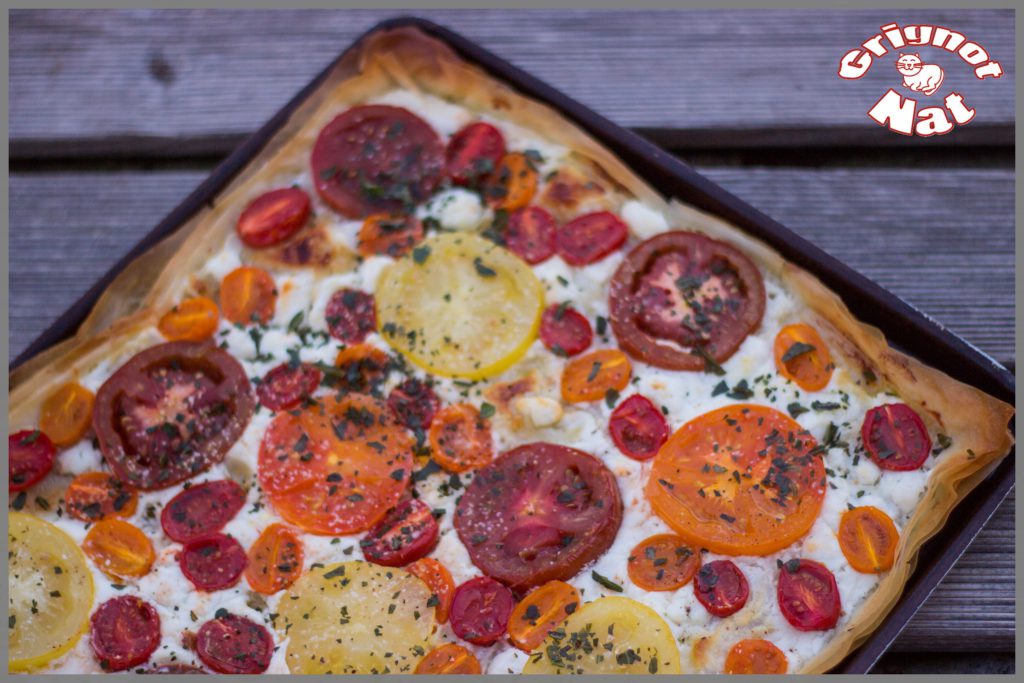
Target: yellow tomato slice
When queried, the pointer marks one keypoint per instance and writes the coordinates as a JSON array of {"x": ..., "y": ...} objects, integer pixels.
[{"x": 460, "y": 306}]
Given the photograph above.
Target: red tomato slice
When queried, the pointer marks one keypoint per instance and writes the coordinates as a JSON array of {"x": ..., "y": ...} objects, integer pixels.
[
  {"x": 530, "y": 234},
  {"x": 230, "y": 644},
  {"x": 213, "y": 562},
  {"x": 287, "y": 385},
  {"x": 473, "y": 153},
  {"x": 895, "y": 437},
  {"x": 351, "y": 315},
  {"x": 201, "y": 509},
  {"x": 414, "y": 403},
  {"x": 638, "y": 428},
  {"x": 273, "y": 217},
  {"x": 480, "y": 610},
  {"x": 30, "y": 456},
  {"x": 275, "y": 559},
  {"x": 564, "y": 330},
  {"x": 808, "y": 595},
  {"x": 589, "y": 238},
  {"x": 721, "y": 587},
  {"x": 124, "y": 631},
  {"x": 407, "y": 533}
]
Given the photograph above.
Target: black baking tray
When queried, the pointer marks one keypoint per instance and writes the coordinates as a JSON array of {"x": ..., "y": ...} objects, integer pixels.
[{"x": 904, "y": 326}]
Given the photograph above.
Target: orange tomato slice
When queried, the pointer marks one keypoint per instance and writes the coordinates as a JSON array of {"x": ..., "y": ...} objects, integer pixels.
[
  {"x": 275, "y": 559},
  {"x": 449, "y": 659},
  {"x": 193, "y": 319},
  {"x": 739, "y": 480},
  {"x": 755, "y": 656},
  {"x": 868, "y": 539},
  {"x": 543, "y": 610},
  {"x": 119, "y": 549},
  {"x": 439, "y": 581},
  {"x": 66, "y": 414},
  {"x": 92, "y": 496},
  {"x": 362, "y": 368},
  {"x": 513, "y": 183},
  {"x": 248, "y": 295},
  {"x": 802, "y": 356},
  {"x": 392, "y": 236},
  {"x": 460, "y": 438},
  {"x": 590, "y": 377},
  {"x": 663, "y": 562}
]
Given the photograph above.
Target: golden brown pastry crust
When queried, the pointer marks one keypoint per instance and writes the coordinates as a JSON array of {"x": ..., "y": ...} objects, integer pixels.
[{"x": 406, "y": 58}]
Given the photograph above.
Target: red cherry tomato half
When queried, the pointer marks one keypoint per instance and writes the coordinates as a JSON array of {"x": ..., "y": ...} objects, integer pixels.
[
  {"x": 273, "y": 217},
  {"x": 480, "y": 610},
  {"x": 721, "y": 587},
  {"x": 564, "y": 330},
  {"x": 124, "y": 631},
  {"x": 473, "y": 153},
  {"x": 589, "y": 238},
  {"x": 351, "y": 315},
  {"x": 638, "y": 428},
  {"x": 414, "y": 403},
  {"x": 30, "y": 456},
  {"x": 808, "y": 595},
  {"x": 407, "y": 533},
  {"x": 530, "y": 234},
  {"x": 201, "y": 509},
  {"x": 286, "y": 385},
  {"x": 895, "y": 437},
  {"x": 230, "y": 644},
  {"x": 213, "y": 562}
]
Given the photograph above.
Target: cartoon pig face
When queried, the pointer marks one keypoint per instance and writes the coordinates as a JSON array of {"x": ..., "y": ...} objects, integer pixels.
[{"x": 909, "y": 65}]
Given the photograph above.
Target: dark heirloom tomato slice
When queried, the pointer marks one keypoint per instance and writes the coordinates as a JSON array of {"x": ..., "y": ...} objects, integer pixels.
[
  {"x": 286, "y": 385},
  {"x": 376, "y": 158},
  {"x": 589, "y": 238},
  {"x": 480, "y": 610},
  {"x": 530, "y": 234},
  {"x": 638, "y": 428},
  {"x": 414, "y": 403},
  {"x": 681, "y": 296},
  {"x": 124, "y": 631},
  {"x": 273, "y": 217},
  {"x": 230, "y": 644},
  {"x": 808, "y": 595},
  {"x": 721, "y": 587},
  {"x": 170, "y": 412},
  {"x": 201, "y": 509},
  {"x": 213, "y": 562},
  {"x": 407, "y": 533},
  {"x": 351, "y": 316},
  {"x": 564, "y": 330},
  {"x": 473, "y": 153},
  {"x": 538, "y": 512},
  {"x": 30, "y": 456},
  {"x": 895, "y": 437}
]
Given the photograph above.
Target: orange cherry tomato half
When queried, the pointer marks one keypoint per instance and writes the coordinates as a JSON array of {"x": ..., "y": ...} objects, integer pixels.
[
  {"x": 439, "y": 581},
  {"x": 713, "y": 483},
  {"x": 802, "y": 356},
  {"x": 275, "y": 559},
  {"x": 663, "y": 562},
  {"x": 540, "y": 612},
  {"x": 392, "y": 236},
  {"x": 119, "y": 549},
  {"x": 193, "y": 319},
  {"x": 461, "y": 438},
  {"x": 755, "y": 656},
  {"x": 66, "y": 414},
  {"x": 590, "y": 377},
  {"x": 449, "y": 659},
  {"x": 363, "y": 367},
  {"x": 248, "y": 295},
  {"x": 868, "y": 539},
  {"x": 513, "y": 183},
  {"x": 92, "y": 496}
]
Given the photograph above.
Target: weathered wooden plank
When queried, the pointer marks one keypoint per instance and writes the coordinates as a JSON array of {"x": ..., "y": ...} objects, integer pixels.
[{"x": 162, "y": 79}]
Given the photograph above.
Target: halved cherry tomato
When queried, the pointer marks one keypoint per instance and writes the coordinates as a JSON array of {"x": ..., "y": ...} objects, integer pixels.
[
  {"x": 460, "y": 438},
  {"x": 473, "y": 153},
  {"x": 414, "y": 403},
  {"x": 802, "y": 356},
  {"x": 592, "y": 376},
  {"x": 721, "y": 587},
  {"x": 755, "y": 656},
  {"x": 589, "y": 238},
  {"x": 530, "y": 234},
  {"x": 663, "y": 562},
  {"x": 895, "y": 437},
  {"x": 248, "y": 295},
  {"x": 868, "y": 539},
  {"x": 275, "y": 559},
  {"x": 193, "y": 319},
  {"x": 201, "y": 509},
  {"x": 230, "y": 644},
  {"x": 712, "y": 483},
  {"x": 638, "y": 428},
  {"x": 213, "y": 562},
  {"x": 119, "y": 549},
  {"x": 564, "y": 330},
  {"x": 124, "y": 631},
  {"x": 480, "y": 610},
  {"x": 361, "y": 368},
  {"x": 449, "y": 659},
  {"x": 287, "y": 385},
  {"x": 66, "y": 414},
  {"x": 808, "y": 595},
  {"x": 350, "y": 315},
  {"x": 540, "y": 612},
  {"x": 389, "y": 235},
  {"x": 407, "y": 533},
  {"x": 513, "y": 183},
  {"x": 438, "y": 580},
  {"x": 92, "y": 496},
  {"x": 273, "y": 217},
  {"x": 30, "y": 456}
]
